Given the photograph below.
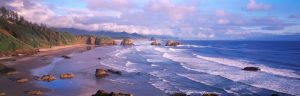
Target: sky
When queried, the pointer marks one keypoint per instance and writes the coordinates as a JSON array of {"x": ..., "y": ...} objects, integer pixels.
[{"x": 189, "y": 19}]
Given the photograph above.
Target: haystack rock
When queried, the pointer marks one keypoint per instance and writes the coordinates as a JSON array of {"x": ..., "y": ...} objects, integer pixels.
[
  {"x": 66, "y": 75},
  {"x": 127, "y": 42},
  {"x": 172, "y": 43},
  {"x": 155, "y": 42},
  {"x": 101, "y": 73}
]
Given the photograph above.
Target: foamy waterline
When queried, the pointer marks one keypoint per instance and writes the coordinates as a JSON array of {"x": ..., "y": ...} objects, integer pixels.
[
  {"x": 242, "y": 63},
  {"x": 234, "y": 72}
]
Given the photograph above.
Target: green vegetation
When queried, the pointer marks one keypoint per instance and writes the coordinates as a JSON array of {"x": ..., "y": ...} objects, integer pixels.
[
  {"x": 19, "y": 36},
  {"x": 9, "y": 43},
  {"x": 31, "y": 33},
  {"x": 105, "y": 41}
]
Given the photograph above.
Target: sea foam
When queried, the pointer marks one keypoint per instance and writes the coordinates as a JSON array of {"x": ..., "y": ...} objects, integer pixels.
[{"x": 229, "y": 70}]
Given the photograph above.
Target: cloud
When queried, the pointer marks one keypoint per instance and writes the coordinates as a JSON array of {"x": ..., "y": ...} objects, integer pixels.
[
  {"x": 253, "y": 6},
  {"x": 109, "y": 4},
  {"x": 174, "y": 11},
  {"x": 179, "y": 18},
  {"x": 30, "y": 9},
  {"x": 223, "y": 21}
]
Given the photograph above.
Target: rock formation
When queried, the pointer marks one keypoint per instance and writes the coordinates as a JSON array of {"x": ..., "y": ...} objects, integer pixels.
[
  {"x": 66, "y": 57},
  {"x": 2, "y": 93},
  {"x": 155, "y": 42},
  {"x": 66, "y": 75},
  {"x": 209, "y": 94},
  {"x": 103, "y": 93},
  {"x": 91, "y": 40},
  {"x": 22, "y": 80},
  {"x": 114, "y": 71},
  {"x": 251, "y": 69},
  {"x": 101, "y": 73},
  {"x": 6, "y": 70},
  {"x": 34, "y": 92},
  {"x": 172, "y": 43},
  {"x": 47, "y": 78},
  {"x": 179, "y": 94},
  {"x": 127, "y": 42}
]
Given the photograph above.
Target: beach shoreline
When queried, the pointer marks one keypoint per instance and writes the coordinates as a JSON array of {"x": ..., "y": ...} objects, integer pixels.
[{"x": 24, "y": 65}]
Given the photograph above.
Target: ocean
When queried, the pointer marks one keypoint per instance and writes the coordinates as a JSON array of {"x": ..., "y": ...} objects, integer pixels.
[{"x": 194, "y": 67}]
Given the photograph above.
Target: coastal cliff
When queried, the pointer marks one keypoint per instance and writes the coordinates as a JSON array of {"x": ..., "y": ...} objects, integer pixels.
[{"x": 19, "y": 36}]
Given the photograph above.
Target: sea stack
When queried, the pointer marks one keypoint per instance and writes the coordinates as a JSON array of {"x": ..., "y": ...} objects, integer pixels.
[
  {"x": 155, "y": 42},
  {"x": 127, "y": 42},
  {"x": 172, "y": 43}
]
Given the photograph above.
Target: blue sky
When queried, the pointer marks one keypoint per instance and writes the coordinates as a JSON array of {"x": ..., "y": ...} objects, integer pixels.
[{"x": 192, "y": 19}]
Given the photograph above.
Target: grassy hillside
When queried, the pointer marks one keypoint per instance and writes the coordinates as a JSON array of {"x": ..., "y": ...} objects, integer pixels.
[
  {"x": 10, "y": 44},
  {"x": 19, "y": 36}
]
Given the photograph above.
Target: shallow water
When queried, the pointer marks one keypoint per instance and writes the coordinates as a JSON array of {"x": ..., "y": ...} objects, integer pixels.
[{"x": 193, "y": 68}]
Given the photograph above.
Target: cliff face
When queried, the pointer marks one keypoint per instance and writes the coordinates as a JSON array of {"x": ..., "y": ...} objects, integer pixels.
[
  {"x": 127, "y": 42},
  {"x": 105, "y": 41},
  {"x": 93, "y": 40}
]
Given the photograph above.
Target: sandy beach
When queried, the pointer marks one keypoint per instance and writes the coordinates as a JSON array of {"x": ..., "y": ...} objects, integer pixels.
[
  {"x": 145, "y": 70},
  {"x": 23, "y": 65}
]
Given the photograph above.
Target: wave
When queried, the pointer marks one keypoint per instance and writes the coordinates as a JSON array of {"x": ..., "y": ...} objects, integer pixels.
[
  {"x": 242, "y": 63},
  {"x": 163, "y": 50},
  {"x": 193, "y": 46},
  {"x": 219, "y": 82},
  {"x": 158, "y": 82},
  {"x": 154, "y": 60},
  {"x": 154, "y": 65},
  {"x": 230, "y": 70},
  {"x": 128, "y": 63},
  {"x": 137, "y": 49}
]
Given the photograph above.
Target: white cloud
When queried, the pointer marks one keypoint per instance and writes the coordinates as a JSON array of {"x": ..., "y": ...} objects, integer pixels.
[
  {"x": 253, "y": 6},
  {"x": 174, "y": 11},
  {"x": 158, "y": 17},
  {"x": 223, "y": 21}
]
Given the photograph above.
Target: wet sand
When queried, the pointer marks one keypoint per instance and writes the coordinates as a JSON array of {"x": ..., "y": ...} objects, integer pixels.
[
  {"x": 83, "y": 66},
  {"x": 24, "y": 65}
]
